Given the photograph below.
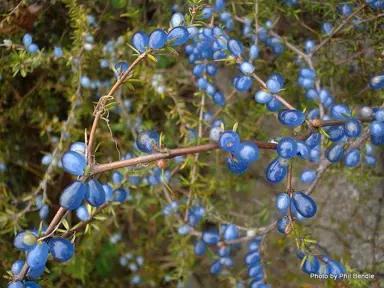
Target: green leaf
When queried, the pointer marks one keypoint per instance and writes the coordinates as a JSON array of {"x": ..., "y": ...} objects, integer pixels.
[
  {"x": 303, "y": 261},
  {"x": 235, "y": 127},
  {"x": 118, "y": 4},
  {"x": 111, "y": 105},
  {"x": 65, "y": 223},
  {"x": 151, "y": 57}
]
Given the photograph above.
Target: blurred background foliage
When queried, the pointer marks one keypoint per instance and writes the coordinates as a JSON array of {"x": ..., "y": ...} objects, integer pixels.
[{"x": 40, "y": 94}]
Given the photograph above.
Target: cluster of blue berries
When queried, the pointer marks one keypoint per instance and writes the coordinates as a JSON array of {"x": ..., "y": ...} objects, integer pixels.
[
  {"x": 134, "y": 263},
  {"x": 60, "y": 249},
  {"x": 253, "y": 260},
  {"x": 33, "y": 48},
  {"x": 240, "y": 154},
  {"x": 299, "y": 205},
  {"x": 321, "y": 265}
]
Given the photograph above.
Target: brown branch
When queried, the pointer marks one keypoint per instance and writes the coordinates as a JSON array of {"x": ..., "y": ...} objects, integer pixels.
[
  {"x": 350, "y": 58},
  {"x": 171, "y": 153},
  {"x": 102, "y": 102},
  {"x": 317, "y": 123}
]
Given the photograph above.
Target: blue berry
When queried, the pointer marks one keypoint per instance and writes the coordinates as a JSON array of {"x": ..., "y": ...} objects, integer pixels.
[
  {"x": 120, "y": 195},
  {"x": 117, "y": 177},
  {"x": 230, "y": 233},
  {"x": 253, "y": 52},
  {"x": 157, "y": 39},
  {"x": 94, "y": 194},
  {"x": 219, "y": 5},
  {"x": 352, "y": 127},
  {"x": 327, "y": 27},
  {"x": 311, "y": 267},
  {"x": 211, "y": 69},
  {"x": 291, "y": 118},
  {"x": 44, "y": 211},
  {"x": 236, "y": 166},
  {"x": 377, "y": 82},
  {"x": 38, "y": 256},
  {"x": 73, "y": 195},
  {"x": 184, "y": 229},
  {"x": 147, "y": 140},
  {"x": 276, "y": 172},
  {"x": 33, "y": 48},
  {"x": 210, "y": 237},
  {"x": 273, "y": 85},
  {"x": 243, "y": 83},
  {"x": 262, "y": 97},
  {"x": 177, "y": 19},
  {"x": 74, "y": 163},
  {"x": 307, "y": 73},
  {"x": 302, "y": 149},
  {"x": 311, "y": 94},
  {"x": 287, "y": 148},
  {"x": 247, "y": 68},
  {"x": 229, "y": 141},
  {"x": 16, "y": 285},
  {"x": 252, "y": 257},
  {"x": 140, "y": 41},
  {"x": 256, "y": 272},
  {"x": 340, "y": 112},
  {"x": 235, "y": 47},
  {"x": 82, "y": 213},
  {"x": 27, "y": 40},
  {"x": 219, "y": 99},
  {"x": 309, "y": 45},
  {"x": 57, "y": 52},
  {"x": 199, "y": 247},
  {"x": 121, "y": 68},
  {"x": 247, "y": 152},
  {"x": 376, "y": 128},
  {"x": 282, "y": 203},
  {"x": 336, "y": 133},
  {"x": 274, "y": 104},
  {"x": 17, "y": 266},
  {"x": 304, "y": 204},
  {"x": 108, "y": 192},
  {"x": 282, "y": 224},
  {"x": 61, "y": 249},
  {"x": 30, "y": 284},
  {"x": 352, "y": 158},
  {"x": 179, "y": 33},
  {"x": 206, "y": 13},
  {"x": 308, "y": 176},
  {"x": 216, "y": 267},
  {"x": 35, "y": 273},
  {"x": 370, "y": 160}
]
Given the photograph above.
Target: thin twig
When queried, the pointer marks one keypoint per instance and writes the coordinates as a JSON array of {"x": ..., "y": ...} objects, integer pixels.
[
  {"x": 337, "y": 29},
  {"x": 195, "y": 166}
]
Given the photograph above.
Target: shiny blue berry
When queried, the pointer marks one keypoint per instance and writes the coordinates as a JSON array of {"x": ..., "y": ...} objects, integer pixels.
[
  {"x": 73, "y": 195},
  {"x": 147, "y": 140},
  {"x": 61, "y": 249}
]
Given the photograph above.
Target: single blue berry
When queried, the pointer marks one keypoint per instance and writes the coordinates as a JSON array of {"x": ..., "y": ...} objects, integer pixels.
[
  {"x": 38, "y": 256},
  {"x": 73, "y": 195},
  {"x": 179, "y": 35},
  {"x": 304, "y": 204},
  {"x": 61, "y": 249},
  {"x": 291, "y": 118},
  {"x": 147, "y": 140},
  {"x": 74, "y": 163},
  {"x": 140, "y": 41},
  {"x": 247, "y": 152},
  {"x": 157, "y": 39}
]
